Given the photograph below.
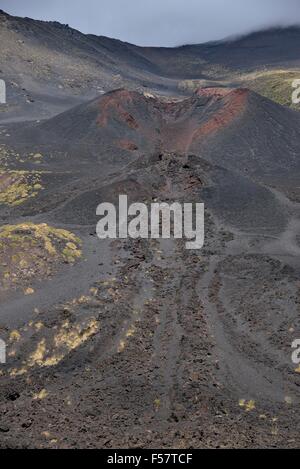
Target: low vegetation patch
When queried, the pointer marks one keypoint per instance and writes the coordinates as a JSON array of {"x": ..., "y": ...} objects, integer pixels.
[
  {"x": 273, "y": 84},
  {"x": 29, "y": 252},
  {"x": 18, "y": 186}
]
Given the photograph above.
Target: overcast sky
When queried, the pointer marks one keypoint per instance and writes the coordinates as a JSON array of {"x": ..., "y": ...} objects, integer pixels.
[{"x": 161, "y": 22}]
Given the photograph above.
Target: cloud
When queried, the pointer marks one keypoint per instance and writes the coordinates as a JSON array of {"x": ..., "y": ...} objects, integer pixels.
[{"x": 162, "y": 22}]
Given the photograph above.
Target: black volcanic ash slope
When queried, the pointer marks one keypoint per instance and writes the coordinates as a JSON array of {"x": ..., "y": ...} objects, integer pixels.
[{"x": 182, "y": 348}]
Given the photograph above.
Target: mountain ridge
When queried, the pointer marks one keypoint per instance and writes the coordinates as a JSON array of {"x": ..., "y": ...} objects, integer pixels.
[
  {"x": 49, "y": 67},
  {"x": 268, "y": 30}
]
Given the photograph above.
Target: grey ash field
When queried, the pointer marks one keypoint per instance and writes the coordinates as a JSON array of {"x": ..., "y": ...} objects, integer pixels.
[{"x": 122, "y": 343}]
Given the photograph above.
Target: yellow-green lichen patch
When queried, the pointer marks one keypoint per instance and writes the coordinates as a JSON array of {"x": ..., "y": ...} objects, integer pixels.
[
  {"x": 273, "y": 84},
  {"x": 50, "y": 349},
  {"x": 8, "y": 156},
  {"x": 35, "y": 157},
  {"x": 29, "y": 251},
  {"x": 18, "y": 186}
]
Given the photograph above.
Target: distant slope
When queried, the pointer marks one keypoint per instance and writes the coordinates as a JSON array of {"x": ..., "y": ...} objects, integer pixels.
[
  {"x": 269, "y": 49},
  {"x": 51, "y": 67},
  {"x": 275, "y": 84}
]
